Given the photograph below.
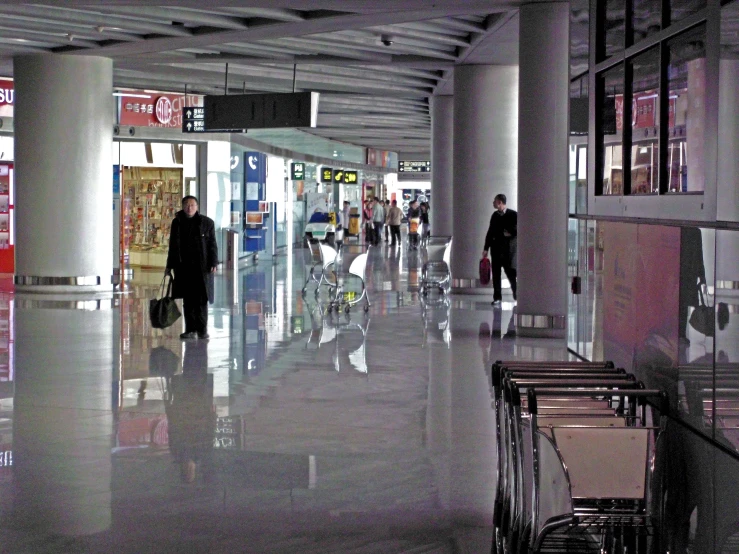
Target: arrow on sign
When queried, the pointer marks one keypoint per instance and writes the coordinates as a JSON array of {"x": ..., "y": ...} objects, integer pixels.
[
  {"x": 189, "y": 126},
  {"x": 188, "y": 114}
]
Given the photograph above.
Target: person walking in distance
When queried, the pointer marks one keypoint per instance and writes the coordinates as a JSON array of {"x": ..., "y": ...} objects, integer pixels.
[
  {"x": 378, "y": 220},
  {"x": 193, "y": 257},
  {"x": 368, "y": 226},
  {"x": 501, "y": 241},
  {"x": 394, "y": 219}
]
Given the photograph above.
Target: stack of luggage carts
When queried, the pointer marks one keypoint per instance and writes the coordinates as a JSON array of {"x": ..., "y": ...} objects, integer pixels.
[{"x": 577, "y": 444}]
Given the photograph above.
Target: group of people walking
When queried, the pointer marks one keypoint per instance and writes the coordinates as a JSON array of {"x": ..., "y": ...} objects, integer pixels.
[{"x": 386, "y": 215}]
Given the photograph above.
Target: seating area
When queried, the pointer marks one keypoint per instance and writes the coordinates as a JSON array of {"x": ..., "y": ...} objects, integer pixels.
[{"x": 578, "y": 458}]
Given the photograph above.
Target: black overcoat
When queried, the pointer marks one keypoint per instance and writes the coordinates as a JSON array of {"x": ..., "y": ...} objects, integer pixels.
[
  {"x": 502, "y": 247},
  {"x": 208, "y": 254}
]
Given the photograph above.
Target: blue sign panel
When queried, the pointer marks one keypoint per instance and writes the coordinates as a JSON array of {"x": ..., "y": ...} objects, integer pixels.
[{"x": 256, "y": 167}]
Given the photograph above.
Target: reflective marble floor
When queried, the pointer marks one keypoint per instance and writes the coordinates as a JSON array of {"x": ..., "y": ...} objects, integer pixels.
[{"x": 290, "y": 430}]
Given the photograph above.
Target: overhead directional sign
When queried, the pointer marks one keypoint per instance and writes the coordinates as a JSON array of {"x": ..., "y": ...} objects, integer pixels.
[
  {"x": 350, "y": 177},
  {"x": 405, "y": 166},
  {"x": 327, "y": 174},
  {"x": 338, "y": 175},
  {"x": 193, "y": 120}
]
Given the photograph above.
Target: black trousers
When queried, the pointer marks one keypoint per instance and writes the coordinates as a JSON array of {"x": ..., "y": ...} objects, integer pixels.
[
  {"x": 395, "y": 233},
  {"x": 194, "y": 301},
  {"x": 378, "y": 232},
  {"x": 195, "y": 310},
  {"x": 497, "y": 263}
]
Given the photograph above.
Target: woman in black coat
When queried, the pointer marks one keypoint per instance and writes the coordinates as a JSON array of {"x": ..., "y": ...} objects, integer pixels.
[{"x": 193, "y": 257}]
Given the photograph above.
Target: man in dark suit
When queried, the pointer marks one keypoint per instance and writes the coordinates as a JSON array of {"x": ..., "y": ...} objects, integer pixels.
[
  {"x": 501, "y": 240},
  {"x": 193, "y": 256}
]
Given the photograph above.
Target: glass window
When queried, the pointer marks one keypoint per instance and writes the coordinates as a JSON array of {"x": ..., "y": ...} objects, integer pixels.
[
  {"x": 645, "y": 123},
  {"x": 680, "y": 9},
  {"x": 614, "y": 28},
  {"x": 579, "y": 37},
  {"x": 687, "y": 111},
  {"x": 646, "y": 18},
  {"x": 610, "y": 129}
]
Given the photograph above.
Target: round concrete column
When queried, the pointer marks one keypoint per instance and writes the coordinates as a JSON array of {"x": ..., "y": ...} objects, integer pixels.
[
  {"x": 485, "y": 158},
  {"x": 542, "y": 169},
  {"x": 442, "y": 132},
  {"x": 64, "y": 116}
]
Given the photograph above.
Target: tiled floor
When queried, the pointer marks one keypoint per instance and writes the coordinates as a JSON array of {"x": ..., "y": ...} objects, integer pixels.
[{"x": 312, "y": 432}]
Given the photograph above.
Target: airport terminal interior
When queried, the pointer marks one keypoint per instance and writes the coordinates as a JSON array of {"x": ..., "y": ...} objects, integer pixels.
[{"x": 354, "y": 393}]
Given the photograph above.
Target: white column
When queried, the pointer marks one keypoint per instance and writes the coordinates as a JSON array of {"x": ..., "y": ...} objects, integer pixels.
[
  {"x": 542, "y": 169},
  {"x": 485, "y": 156},
  {"x": 64, "y": 116},
  {"x": 442, "y": 132},
  {"x": 62, "y": 417}
]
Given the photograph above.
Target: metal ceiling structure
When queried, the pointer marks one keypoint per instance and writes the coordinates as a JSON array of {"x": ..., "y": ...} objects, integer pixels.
[{"x": 375, "y": 63}]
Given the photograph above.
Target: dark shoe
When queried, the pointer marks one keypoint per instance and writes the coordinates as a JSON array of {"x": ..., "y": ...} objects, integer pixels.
[
  {"x": 188, "y": 335},
  {"x": 203, "y": 335},
  {"x": 510, "y": 335}
]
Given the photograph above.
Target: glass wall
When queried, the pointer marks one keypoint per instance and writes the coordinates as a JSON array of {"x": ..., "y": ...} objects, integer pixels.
[
  {"x": 660, "y": 88},
  {"x": 662, "y": 301},
  {"x": 655, "y": 269}
]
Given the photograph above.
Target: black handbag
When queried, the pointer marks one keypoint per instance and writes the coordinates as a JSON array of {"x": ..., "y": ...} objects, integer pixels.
[
  {"x": 702, "y": 318},
  {"x": 163, "y": 312}
]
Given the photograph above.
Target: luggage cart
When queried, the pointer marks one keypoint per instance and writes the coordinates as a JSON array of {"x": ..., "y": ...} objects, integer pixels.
[
  {"x": 436, "y": 271},
  {"x": 321, "y": 256},
  {"x": 576, "y": 455},
  {"x": 350, "y": 265}
]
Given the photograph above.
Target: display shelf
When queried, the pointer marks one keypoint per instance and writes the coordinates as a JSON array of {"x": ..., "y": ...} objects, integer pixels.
[{"x": 152, "y": 198}]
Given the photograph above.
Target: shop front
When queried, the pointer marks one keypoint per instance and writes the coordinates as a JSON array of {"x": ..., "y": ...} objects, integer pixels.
[{"x": 150, "y": 177}]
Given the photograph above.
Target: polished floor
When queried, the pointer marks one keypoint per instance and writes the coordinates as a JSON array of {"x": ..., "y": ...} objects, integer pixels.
[{"x": 291, "y": 430}]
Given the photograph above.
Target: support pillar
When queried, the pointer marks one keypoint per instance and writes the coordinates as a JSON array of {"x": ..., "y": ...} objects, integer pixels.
[
  {"x": 542, "y": 169},
  {"x": 485, "y": 159},
  {"x": 442, "y": 167},
  {"x": 64, "y": 116}
]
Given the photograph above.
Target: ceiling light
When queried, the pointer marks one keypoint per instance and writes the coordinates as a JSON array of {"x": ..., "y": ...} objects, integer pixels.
[{"x": 131, "y": 95}]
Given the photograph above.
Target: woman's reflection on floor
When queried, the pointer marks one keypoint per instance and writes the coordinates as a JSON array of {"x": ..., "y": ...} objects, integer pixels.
[{"x": 191, "y": 415}]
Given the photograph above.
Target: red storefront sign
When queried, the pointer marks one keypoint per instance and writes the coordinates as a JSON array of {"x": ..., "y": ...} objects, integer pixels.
[
  {"x": 7, "y": 98},
  {"x": 153, "y": 109},
  {"x": 7, "y": 240}
]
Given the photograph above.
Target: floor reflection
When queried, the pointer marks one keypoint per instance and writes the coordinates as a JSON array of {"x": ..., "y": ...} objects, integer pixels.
[{"x": 291, "y": 429}]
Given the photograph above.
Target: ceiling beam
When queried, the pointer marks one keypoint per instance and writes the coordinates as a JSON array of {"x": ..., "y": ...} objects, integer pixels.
[{"x": 320, "y": 24}]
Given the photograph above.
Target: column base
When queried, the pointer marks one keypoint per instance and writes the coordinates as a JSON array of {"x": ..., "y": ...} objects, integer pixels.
[
  {"x": 541, "y": 326},
  {"x": 77, "y": 284}
]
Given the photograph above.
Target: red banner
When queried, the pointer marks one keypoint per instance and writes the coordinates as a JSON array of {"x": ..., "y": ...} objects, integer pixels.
[
  {"x": 152, "y": 109},
  {"x": 7, "y": 98}
]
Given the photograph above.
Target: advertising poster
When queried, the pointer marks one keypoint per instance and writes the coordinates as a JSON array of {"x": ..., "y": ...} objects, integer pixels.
[
  {"x": 317, "y": 202},
  {"x": 641, "y": 280}
]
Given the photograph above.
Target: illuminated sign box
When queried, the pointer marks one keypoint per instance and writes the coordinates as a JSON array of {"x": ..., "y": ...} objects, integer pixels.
[
  {"x": 297, "y": 171},
  {"x": 350, "y": 177},
  {"x": 338, "y": 175},
  {"x": 327, "y": 175},
  {"x": 405, "y": 166}
]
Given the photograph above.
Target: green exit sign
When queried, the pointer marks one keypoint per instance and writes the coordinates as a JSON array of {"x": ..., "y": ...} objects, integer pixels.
[{"x": 297, "y": 171}]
